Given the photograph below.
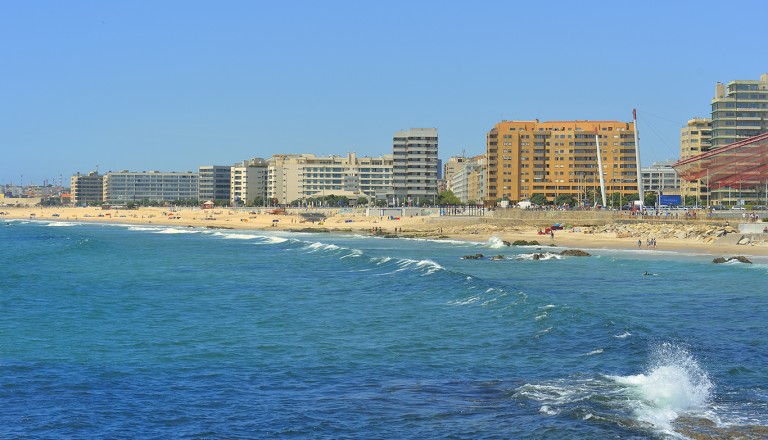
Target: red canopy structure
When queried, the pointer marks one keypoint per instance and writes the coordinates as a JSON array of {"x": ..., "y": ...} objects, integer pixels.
[{"x": 744, "y": 163}]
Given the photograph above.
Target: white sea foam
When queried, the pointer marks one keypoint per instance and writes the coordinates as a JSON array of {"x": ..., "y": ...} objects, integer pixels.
[
  {"x": 623, "y": 335},
  {"x": 176, "y": 231},
  {"x": 495, "y": 242},
  {"x": 317, "y": 246},
  {"x": 675, "y": 383},
  {"x": 465, "y": 301},
  {"x": 594, "y": 352},
  {"x": 273, "y": 240},
  {"x": 62, "y": 224},
  {"x": 546, "y": 409},
  {"x": 142, "y": 228},
  {"x": 541, "y": 256},
  {"x": 355, "y": 253}
]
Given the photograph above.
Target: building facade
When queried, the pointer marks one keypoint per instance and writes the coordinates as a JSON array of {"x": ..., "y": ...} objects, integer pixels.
[
  {"x": 248, "y": 183},
  {"x": 214, "y": 183},
  {"x": 468, "y": 181},
  {"x": 415, "y": 167},
  {"x": 87, "y": 189},
  {"x": 302, "y": 176},
  {"x": 695, "y": 138},
  {"x": 739, "y": 110},
  {"x": 150, "y": 186},
  {"x": 559, "y": 157},
  {"x": 450, "y": 168},
  {"x": 660, "y": 177}
]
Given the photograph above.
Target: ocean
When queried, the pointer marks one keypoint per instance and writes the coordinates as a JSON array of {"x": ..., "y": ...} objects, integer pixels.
[{"x": 120, "y": 331}]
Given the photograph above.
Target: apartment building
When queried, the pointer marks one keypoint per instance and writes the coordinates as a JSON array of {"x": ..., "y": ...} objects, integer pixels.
[
  {"x": 302, "y": 176},
  {"x": 695, "y": 138},
  {"x": 150, "y": 186},
  {"x": 660, "y": 177},
  {"x": 559, "y": 157},
  {"x": 415, "y": 167},
  {"x": 739, "y": 110},
  {"x": 248, "y": 182},
  {"x": 87, "y": 189},
  {"x": 214, "y": 182},
  {"x": 468, "y": 181},
  {"x": 450, "y": 168}
]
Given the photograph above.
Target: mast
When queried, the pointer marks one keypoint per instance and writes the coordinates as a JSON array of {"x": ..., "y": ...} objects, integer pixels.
[
  {"x": 600, "y": 166},
  {"x": 640, "y": 191}
]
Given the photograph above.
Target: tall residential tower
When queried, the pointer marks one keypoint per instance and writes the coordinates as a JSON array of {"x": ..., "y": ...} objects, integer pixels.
[
  {"x": 739, "y": 110},
  {"x": 414, "y": 173}
]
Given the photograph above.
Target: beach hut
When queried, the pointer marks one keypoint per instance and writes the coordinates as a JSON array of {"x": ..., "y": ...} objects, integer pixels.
[{"x": 208, "y": 204}]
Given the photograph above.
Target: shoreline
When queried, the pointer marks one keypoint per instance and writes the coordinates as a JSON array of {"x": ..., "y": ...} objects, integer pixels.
[{"x": 426, "y": 227}]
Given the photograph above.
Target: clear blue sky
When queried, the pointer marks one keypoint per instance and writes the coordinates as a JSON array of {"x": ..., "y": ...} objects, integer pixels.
[{"x": 172, "y": 85}]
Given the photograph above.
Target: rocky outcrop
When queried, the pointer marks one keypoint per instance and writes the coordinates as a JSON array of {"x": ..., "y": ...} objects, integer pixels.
[
  {"x": 498, "y": 257},
  {"x": 574, "y": 253},
  {"x": 525, "y": 243},
  {"x": 739, "y": 258},
  {"x": 472, "y": 257}
]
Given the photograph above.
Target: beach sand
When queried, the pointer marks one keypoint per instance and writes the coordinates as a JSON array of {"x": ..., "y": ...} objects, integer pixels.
[{"x": 418, "y": 226}]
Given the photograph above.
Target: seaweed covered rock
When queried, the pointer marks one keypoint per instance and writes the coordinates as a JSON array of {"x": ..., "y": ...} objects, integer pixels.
[
  {"x": 574, "y": 253},
  {"x": 525, "y": 243},
  {"x": 472, "y": 257}
]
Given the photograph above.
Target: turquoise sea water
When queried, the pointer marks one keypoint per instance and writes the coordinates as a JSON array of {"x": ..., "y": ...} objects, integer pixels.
[{"x": 136, "y": 332}]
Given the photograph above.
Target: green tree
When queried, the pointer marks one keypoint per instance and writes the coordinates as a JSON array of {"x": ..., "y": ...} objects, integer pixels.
[
  {"x": 447, "y": 198},
  {"x": 650, "y": 198},
  {"x": 565, "y": 199},
  {"x": 361, "y": 201},
  {"x": 539, "y": 199}
]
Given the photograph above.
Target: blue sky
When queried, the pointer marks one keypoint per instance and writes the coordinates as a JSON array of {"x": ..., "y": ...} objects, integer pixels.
[{"x": 172, "y": 85}]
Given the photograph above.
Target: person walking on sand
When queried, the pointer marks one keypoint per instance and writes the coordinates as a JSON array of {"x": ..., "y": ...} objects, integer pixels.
[
  {"x": 552, "y": 234},
  {"x": 639, "y": 243}
]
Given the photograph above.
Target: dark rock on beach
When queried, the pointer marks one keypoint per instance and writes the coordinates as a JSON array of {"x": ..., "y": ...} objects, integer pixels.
[
  {"x": 574, "y": 253},
  {"x": 506, "y": 243},
  {"x": 498, "y": 257}
]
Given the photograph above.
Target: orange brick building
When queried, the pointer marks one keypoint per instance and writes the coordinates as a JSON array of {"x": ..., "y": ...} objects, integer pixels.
[{"x": 559, "y": 157}]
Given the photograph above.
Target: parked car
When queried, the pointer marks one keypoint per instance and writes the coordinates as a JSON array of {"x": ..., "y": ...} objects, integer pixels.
[
  {"x": 758, "y": 208},
  {"x": 738, "y": 207}
]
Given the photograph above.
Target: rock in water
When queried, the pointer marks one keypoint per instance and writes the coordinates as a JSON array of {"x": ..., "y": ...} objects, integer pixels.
[
  {"x": 739, "y": 258},
  {"x": 574, "y": 253}
]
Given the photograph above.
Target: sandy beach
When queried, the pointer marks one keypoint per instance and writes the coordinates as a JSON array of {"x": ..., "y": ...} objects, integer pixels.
[{"x": 480, "y": 230}]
